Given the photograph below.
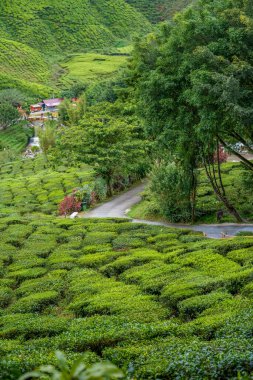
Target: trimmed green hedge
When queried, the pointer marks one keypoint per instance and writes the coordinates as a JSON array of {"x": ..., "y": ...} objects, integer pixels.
[{"x": 157, "y": 310}]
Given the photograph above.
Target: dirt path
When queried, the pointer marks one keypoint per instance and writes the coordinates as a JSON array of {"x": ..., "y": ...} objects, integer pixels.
[{"x": 118, "y": 206}]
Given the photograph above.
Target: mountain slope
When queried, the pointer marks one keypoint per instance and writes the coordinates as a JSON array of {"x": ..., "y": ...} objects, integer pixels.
[
  {"x": 159, "y": 10},
  {"x": 33, "y": 34},
  {"x": 23, "y": 67},
  {"x": 69, "y": 25}
]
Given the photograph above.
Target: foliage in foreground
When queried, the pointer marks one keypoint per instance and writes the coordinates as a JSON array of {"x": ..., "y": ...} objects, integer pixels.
[
  {"x": 154, "y": 301},
  {"x": 79, "y": 371}
]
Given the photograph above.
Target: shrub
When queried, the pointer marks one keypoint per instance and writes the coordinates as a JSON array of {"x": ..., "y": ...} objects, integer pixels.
[
  {"x": 126, "y": 242},
  {"x": 223, "y": 247},
  {"x": 100, "y": 188},
  {"x": 35, "y": 302},
  {"x": 99, "y": 332},
  {"x": 242, "y": 256},
  {"x": 193, "y": 306},
  {"x": 52, "y": 281},
  {"x": 151, "y": 277},
  {"x": 23, "y": 274},
  {"x": 69, "y": 205},
  {"x": 134, "y": 258},
  {"x": 185, "y": 358},
  {"x": 79, "y": 370},
  {"x": 99, "y": 238},
  {"x": 6, "y": 295},
  {"x": 30, "y": 326},
  {"x": 207, "y": 261},
  {"x": 171, "y": 189},
  {"x": 95, "y": 260},
  {"x": 96, "y": 248}
]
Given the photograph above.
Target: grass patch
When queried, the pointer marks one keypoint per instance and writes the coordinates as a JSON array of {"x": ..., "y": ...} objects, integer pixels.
[{"x": 92, "y": 67}]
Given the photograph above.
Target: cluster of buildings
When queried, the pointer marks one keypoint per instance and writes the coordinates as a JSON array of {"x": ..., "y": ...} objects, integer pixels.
[
  {"x": 48, "y": 105},
  {"x": 43, "y": 109}
]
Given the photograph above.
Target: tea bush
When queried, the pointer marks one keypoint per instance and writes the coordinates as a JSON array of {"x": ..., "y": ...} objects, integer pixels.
[
  {"x": 147, "y": 298},
  {"x": 28, "y": 186}
]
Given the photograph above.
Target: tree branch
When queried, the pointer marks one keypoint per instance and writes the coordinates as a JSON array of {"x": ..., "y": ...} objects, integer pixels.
[{"x": 247, "y": 162}]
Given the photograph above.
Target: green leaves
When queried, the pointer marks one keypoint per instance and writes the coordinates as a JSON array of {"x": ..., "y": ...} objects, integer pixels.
[
  {"x": 78, "y": 371},
  {"x": 112, "y": 144},
  {"x": 8, "y": 115}
]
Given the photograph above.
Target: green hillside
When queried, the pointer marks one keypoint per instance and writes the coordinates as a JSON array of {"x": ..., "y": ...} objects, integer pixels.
[
  {"x": 74, "y": 25},
  {"x": 24, "y": 67},
  {"x": 34, "y": 34},
  {"x": 159, "y": 10},
  {"x": 91, "y": 67},
  {"x": 15, "y": 138}
]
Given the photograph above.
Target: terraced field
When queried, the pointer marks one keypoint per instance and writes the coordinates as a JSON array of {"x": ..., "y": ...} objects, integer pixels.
[
  {"x": 23, "y": 67},
  {"x": 28, "y": 186},
  {"x": 159, "y": 303},
  {"x": 91, "y": 67},
  {"x": 15, "y": 138}
]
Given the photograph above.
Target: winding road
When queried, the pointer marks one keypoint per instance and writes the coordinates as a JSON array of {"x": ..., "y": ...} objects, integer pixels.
[{"x": 119, "y": 205}]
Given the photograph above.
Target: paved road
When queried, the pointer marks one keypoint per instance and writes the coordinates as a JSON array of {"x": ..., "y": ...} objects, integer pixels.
[{"x": 118, "y": 206}]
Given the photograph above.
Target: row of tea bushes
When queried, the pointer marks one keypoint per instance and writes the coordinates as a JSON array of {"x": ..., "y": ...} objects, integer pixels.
[
  {"x": 145, "y": 297},
  {"x": 15, "y": 138},
  {"x": 239, "y": 193},
  {"x": 29, "y": 186}
]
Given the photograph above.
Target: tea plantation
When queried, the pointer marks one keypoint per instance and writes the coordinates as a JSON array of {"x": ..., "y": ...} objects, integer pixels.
[
  {"x": 159, "y": 303},
  {"x": 28, "y": 186},
  {"x": 92, "y": 67},
  {"x": 157, "y": 10},
  {"x": 64, "y": 26},
  {"x": 24, "y": 67},
  {"x": 15, "y": 138}
]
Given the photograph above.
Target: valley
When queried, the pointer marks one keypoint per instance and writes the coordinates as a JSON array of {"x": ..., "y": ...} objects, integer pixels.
[{"x": 126, "y": 209}]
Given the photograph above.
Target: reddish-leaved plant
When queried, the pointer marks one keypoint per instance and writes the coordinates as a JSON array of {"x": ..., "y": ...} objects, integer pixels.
[
  {"x": 69, "y": 205},
  {"x": 221, "y": 154}
]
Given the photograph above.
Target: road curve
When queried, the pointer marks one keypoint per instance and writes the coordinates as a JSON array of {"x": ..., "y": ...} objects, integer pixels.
[{"x": 117, "y": 207}]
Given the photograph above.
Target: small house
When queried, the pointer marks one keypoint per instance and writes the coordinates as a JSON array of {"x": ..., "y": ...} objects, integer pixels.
[
  {"x": 36, "y": 107},
  {"x": 52, "y": 105}
]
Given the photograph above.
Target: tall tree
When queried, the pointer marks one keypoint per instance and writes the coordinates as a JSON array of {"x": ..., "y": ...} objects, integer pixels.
[
  {"x": 195, "y": 86},
  {"x": 114, "y": 147}
]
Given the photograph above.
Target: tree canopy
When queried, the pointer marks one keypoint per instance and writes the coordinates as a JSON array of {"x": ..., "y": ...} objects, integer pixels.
[
  {"x": 195, "y": 87},
  {"x": 112, "y": 144}
]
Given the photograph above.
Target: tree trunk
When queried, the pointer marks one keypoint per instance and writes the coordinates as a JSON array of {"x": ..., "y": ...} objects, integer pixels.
[
  {"x": 109, "y": 186},
  {"x": 220, "y": 190},
  {"x": 193, "y": 197},
  {"x": 248, "y": 163},
  {"x": 231, "y": 209}
]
